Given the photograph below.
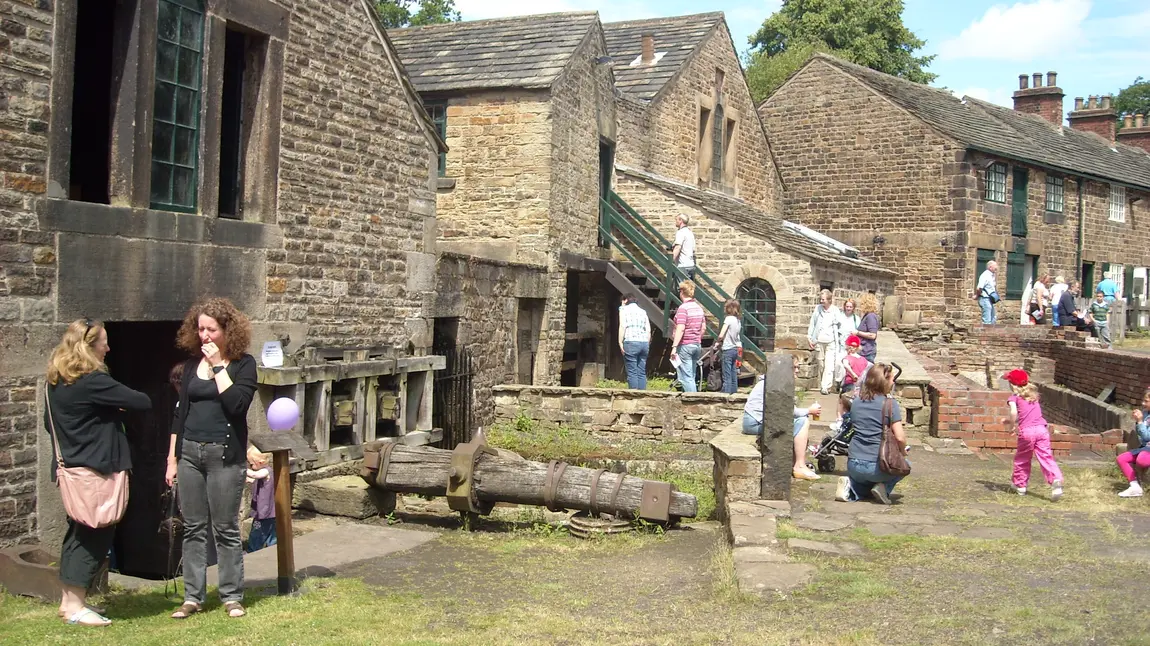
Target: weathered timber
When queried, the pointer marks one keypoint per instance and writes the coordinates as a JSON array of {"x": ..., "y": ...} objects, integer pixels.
[{"x": 502, "y": 476}]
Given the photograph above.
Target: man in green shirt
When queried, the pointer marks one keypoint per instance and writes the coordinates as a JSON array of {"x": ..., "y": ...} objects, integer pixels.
[{"x": 1100, "y": 311}]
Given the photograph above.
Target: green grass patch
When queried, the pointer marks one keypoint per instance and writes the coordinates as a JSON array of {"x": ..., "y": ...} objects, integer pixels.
[
  {"x": 662, "y": 384},
  {"x": 537, "y": 441}
]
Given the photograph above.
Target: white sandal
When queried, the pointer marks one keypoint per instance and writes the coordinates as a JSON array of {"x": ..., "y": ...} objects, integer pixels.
[{"x": 75, "y": 619}]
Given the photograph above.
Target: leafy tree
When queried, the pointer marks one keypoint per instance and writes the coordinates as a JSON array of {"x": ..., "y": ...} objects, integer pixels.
[
  {"x": 398, "y": 13},
  {"x": 867, "y": 32},
  {"x": 1133, "y": 99}
]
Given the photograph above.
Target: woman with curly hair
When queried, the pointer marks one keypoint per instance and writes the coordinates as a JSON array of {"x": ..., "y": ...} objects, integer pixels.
[
  {"x": 208, "y": 447},
  {"x": 868, "y": 327},
  {"x": 83, "y": 413}
]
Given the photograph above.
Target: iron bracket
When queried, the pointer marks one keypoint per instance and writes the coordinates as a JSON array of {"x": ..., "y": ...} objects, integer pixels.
[
  {"x": 655, "y": 504},
  {"x": 461, "y": 477}
]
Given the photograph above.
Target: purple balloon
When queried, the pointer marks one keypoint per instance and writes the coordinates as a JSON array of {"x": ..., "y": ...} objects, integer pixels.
[{"x": 283, "y": 414}]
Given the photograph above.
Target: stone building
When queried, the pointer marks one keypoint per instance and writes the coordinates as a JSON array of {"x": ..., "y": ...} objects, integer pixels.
[
  {"x": 691, "y": 142},
  {"x": 527, "y": 108},
  {"x": 934, "y": 186},
  {"x": 157, "y": 151}
]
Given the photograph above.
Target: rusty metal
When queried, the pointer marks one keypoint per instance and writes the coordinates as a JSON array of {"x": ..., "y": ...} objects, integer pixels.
[
  {"x": 555, "y": 470},
  {"x": 655, "y": 505},
  {"x": 343, "y": 412},
  {"x": 461, "y": 477},
  {"x": 581, "y": 525}
]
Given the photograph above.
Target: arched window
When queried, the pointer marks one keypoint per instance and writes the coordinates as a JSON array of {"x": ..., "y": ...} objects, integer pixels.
[
  {"x": 176, "y": 122},
  {"x": 757, "y": 298}
]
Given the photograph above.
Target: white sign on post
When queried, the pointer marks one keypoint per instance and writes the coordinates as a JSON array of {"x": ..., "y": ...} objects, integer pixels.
[{"x": 273, "y": 354}]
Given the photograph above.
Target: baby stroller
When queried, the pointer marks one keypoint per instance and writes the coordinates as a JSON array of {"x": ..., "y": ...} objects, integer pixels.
[{"x": 839, "y": 439}]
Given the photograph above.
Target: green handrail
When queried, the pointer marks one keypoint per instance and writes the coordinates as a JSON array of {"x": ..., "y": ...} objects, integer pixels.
[
  {"x": 712, "y": 304},
  {"x": 663, "y": 276}
]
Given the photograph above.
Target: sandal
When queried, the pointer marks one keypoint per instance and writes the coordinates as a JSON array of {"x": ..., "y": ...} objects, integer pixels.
[
  {"x": 235, "y": 609},
  {"x": 78, "y": 617},
  {"x": 96, "y": 609},
  {"x": 187, "y": 609}
]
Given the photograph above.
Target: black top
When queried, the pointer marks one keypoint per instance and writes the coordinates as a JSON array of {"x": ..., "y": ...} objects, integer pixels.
[
  {"x": 206, "y": 421},
  {"x": 234, "y": 402},
  {"x": 1066, "y": 306},
  {"x": 87, "y": 418}
]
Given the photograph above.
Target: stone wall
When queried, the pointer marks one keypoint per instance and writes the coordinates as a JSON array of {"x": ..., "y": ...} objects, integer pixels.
[
  {"x": 341, "y": 254},
  {"x": 671, "y": 147},
  {"x": 738, "y": 468},
  {"x": 1064, "y": 406},
  {"x": 1089, "y": 370},
  {"x": 690, "y": 418},
  {"x": 858, "y": 168}
]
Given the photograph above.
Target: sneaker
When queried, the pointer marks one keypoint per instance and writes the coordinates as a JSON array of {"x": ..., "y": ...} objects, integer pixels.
[
  {"x": 879, "y": 493},
  {"x": 842, "y": 492},
  {"x": 1133, "y": 491},
  {"x": 1020, "y": 491},
  {"x": 805, "y": 474},
  {"x": 1056, "y": 490}
]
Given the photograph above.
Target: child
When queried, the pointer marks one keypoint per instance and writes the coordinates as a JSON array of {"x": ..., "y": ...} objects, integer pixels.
[
  {"x": 1140, "y": 456},
  {"x": 1100, "y": 312},
  {"x": 854, "y": 365},
  {"x": 1033, "y": 437},
  {"x": 263, "y": 505}
]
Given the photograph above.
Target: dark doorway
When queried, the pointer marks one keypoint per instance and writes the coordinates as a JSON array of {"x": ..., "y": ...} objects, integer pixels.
[
  {"x": 569, "y": 371},
  {"x": 141, "y": 357},
  {"x": 92, "y": 97},
  {"x": 528, "y": 328},
  {"x": 606, "y": 172}
]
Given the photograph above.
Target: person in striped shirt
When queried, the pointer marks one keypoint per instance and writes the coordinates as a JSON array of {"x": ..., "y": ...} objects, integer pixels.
[
  {"x": 687, "y": 342},
  {"x": 634, "y": 341}
]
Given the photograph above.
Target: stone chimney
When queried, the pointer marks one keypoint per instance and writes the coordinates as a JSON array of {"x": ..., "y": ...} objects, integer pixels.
[
  {"x": 1044, "y": 101},
  {"x": 648, "y": 56},
  {"x": 1135, "y": 132},
  {"x": 1095, "y": 115}
]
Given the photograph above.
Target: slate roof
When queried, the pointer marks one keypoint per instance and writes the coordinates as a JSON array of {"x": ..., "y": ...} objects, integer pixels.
[
  {"x": 677, "y": 37},
  {"x": 519, "y": 52},
  {"x": 1002, "y": 131},
  {"x": 742, "y": 216}
]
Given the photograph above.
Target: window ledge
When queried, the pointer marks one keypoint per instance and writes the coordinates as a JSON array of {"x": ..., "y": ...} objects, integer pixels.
[
  {"x": 445, "y": 183},
  {"x": 1054, "y": 217},
  {"x": 129, "y": 222}
]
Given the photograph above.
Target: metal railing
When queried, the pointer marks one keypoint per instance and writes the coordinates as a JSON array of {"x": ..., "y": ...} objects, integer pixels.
[{"x": 620, "y": 226}]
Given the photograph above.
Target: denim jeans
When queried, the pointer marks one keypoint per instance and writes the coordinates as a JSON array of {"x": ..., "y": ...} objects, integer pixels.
[
  {"x": 1054, "y": 316},
  {"x": 688, "y": 360},
  {"x": 864, "y": 475},
  {"x": 751, "y": 426},
  {"x": 730, "y": 374},
  {"x": 989, "y": 315},
  {"x": 635, "y": 358},
  {"x": 1103, "y": 329},
  {"x": 263, "y": 534},
  {"x": 210, "y": 493}
]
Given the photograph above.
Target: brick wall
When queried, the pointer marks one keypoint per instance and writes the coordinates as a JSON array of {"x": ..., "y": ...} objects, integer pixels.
[
  {"x": 1067, "y": 407},
  {"x": 674, "y": 126},
  {"x": 1089, "y": 370},
  {"x": 856, "y": 167}
]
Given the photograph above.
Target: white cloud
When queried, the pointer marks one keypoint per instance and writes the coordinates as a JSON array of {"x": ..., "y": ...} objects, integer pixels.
[
  {"x": 1134, "y": 25},
  {"x": 999, "y": 95},
  {"x": 1021, "y": 32}
]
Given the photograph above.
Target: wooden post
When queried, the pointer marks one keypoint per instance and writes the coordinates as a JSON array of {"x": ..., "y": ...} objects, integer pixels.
[
  {"x": 777, "y": 440},
  {"x": 285, "y": 552}
]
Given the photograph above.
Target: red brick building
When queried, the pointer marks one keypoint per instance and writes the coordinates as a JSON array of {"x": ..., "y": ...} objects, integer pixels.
[{"x": 934, "y": 186}]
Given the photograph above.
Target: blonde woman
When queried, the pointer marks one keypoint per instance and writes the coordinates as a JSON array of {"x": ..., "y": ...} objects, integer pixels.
[
  {"x": 84, "y": 411},
  {"x": 867, "y": 331}
]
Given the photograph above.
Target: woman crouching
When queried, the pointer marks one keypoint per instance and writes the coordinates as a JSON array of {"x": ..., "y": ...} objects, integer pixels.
[{"x": 864, "y": 478}]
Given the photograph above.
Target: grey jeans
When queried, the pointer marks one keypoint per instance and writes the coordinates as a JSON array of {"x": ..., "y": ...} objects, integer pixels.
[{"x": 210, "y": 492}]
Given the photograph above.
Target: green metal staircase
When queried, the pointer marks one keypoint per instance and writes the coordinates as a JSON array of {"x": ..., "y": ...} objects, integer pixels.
[{"x": 649, "y": 274}]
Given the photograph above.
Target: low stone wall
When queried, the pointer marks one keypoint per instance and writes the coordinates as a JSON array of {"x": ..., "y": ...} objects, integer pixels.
[
  {"x": 738, "y": 468},
  {"x": 1061, "y": 405},
  {"x": 1090, "y": 369},
  {"x": 691, "y": 418}
]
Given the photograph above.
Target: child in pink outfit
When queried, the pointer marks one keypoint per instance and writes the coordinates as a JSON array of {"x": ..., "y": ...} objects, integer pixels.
[
  {"x": 1033, "y": 436},
  {"x": 1138, "y": 456}
]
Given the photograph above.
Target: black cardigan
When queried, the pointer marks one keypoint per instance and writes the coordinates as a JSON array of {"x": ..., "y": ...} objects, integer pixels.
[
  {"x": 87, "y": 420},
  {"x": 235, "y": 401}
]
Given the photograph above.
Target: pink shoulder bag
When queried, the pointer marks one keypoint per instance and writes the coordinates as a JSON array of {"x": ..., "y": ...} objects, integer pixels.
[{"x": 90, "y": 497}]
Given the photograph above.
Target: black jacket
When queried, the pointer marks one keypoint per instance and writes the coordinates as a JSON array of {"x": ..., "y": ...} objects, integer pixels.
[
  {"x": 235, "y": 401},
  {"x": 1066, "y": 307},
  {"x": 87, "y": 417}
]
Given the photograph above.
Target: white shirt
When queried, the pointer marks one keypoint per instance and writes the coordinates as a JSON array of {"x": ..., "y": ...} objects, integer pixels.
[
  {"x": 826, "y": 325},
  {"x": 733, "y": 339},
  {"x": 1056, "y": 292},
  {"x": 986, "y": 285},
  {"x": 685, "y": 240},
  {"x": 636, "y": 325}
]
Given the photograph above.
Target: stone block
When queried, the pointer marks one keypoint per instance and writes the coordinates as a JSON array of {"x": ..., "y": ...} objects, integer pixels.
[
  {"x": 347, "y": 496},
  {"x": 763, "y": 578},
  {"x": 745, "y": 530}
]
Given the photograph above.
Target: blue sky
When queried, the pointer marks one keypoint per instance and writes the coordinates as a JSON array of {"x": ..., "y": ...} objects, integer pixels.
[{"x": 1096, "y": 46}]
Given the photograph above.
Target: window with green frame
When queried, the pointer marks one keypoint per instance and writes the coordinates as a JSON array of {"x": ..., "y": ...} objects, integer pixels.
[
  {"x": 176, "y": 114},
  {"x": 994, "y": 184},
  {"x": 1015, "y": 275},
  {"x": 437, "y": 110},
  {"x": 982, "y": 259},
  {"x": 1055, "y": 194},
  {"x": 757, "y": 299}
]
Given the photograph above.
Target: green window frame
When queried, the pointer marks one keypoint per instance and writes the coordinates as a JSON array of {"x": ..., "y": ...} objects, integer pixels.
[
  {"x": 981, "y": 259},
  {"x": 757, "y": 299},
  {"x": 1015, "y": 275},
  {"x": 1055, "y": 194},
  {"x": 994, "y": 183},
  {"x": 176, "y": 108},
  {"x": 437, "y": 110}
]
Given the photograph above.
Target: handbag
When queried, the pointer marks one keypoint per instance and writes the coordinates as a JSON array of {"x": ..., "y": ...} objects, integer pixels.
[
  {"x": 891, "y": 459},
  {"x": 90, "y": 498}
]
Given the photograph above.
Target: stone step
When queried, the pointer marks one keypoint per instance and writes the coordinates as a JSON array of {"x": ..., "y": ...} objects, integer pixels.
[{"x": 345, "y": 495}]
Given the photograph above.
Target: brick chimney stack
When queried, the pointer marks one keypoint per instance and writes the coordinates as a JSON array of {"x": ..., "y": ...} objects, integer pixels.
[
  {"x": 648, "y": 56},
  {"x": 1135, "y": 132},
  {"x": 1044, "y": 101},
  {"x": 1095, "y": 115}
]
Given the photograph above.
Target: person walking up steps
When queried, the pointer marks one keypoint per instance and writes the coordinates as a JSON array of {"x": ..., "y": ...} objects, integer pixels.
[
  {"x": 1033, "y": 437},
  {"x": 1138, "y": 457}
]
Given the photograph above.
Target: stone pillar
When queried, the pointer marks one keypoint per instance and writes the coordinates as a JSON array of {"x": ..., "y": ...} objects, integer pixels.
[{"x": 776, "y": 444}]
